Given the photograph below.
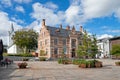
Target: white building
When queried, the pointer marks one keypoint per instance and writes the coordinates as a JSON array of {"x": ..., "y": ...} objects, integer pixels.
[
  {"x": 104, "y": 48},
  {"x": 12, "y": 48}
]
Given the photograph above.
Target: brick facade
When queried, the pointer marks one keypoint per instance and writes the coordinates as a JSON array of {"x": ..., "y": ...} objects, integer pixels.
[
  {"x": 56, "y": 41},
  {"x": 114, "y": 41}
]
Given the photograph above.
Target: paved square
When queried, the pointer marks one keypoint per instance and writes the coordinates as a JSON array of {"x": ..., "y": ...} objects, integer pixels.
[{"x": 51, "y": 70}]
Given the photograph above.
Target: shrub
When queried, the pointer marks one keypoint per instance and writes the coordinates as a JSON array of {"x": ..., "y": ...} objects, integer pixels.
[
  {"x": 64, "y": 61},
  {"x": 42, "y": 58},
  {"x": 78, "y": 61},
  {"x": 91, "y": 64},
  {"x": 115, "y": 50},
  {"x": 25, "y": 59},
  {"x": 60, "y": 60},
  {"x": 21, "y": 55},
  {"x": 88, "y": 64}
]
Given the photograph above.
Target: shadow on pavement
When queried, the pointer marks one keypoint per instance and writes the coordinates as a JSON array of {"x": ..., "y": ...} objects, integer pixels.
[{"x": 5, "y": 72}]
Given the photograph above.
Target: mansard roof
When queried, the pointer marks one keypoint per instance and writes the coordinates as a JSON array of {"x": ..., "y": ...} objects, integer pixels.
[{"x": 54, "y": 31}]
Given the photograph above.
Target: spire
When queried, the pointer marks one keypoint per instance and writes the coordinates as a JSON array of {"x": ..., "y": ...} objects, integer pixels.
[
  {"x": 68, "y": 27},
  {"x": 60, "y": 26},
  {"x": 73, "y": 28},
  {"x": 81, "y": 29},
  {"x": 12, "y": 28}
]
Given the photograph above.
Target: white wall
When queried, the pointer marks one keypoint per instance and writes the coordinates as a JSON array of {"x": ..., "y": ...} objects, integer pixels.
[
  {"x": 12, "y": 49},
  {"x": 103, "y": 46}
]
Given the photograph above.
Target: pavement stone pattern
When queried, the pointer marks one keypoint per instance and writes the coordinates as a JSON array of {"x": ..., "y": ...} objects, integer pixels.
[{"x": 51, "y": 70}]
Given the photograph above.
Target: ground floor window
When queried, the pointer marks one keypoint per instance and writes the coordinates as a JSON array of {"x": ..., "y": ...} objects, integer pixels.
[
  {"x": 64, "y": 50},
  {"x": 55, "y": 50}
]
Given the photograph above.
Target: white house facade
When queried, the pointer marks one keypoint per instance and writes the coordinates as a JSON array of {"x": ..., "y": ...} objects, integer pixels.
[{"x": 104, "y": 48}]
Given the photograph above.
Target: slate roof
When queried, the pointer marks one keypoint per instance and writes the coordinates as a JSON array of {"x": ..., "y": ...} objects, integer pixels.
[
  {"x": 54, "y": 31},
  {"x": 115, "y": 38}
]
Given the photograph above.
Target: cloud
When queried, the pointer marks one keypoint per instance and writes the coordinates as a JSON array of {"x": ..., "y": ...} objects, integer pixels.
[
  {"x": 81, "y": 11},
  {"x": 6, "y": 3},
  {"x": 17, "y": 20},
  {"x": 114, "y": 31},
  {"x": 42, "y": 12},
  {"x": 104, "y": 27},
  {"x": 36, "y": 25},
  {"x": 73, "y": 15},
  {"x": 104, "y": 36},
  {"x": 5, "y": 26},
  {"x": 23, "y": 1},
  {"x": 20, "y": 9},
  {"x": 117, "y": 13},
  {"x": 51, "y": 5},
  {"x": 78, "y": 13}
]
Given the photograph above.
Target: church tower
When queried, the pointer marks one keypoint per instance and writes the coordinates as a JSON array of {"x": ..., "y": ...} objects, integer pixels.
[{"x": 11, "y": 32}]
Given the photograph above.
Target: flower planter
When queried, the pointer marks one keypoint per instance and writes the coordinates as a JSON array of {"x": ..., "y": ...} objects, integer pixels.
[
  {"x": 117, "y": 63},
  {"x": 22, "y": 65},
  {"x": 98, "y": 64},
  {"x": 83, "y": 65}
]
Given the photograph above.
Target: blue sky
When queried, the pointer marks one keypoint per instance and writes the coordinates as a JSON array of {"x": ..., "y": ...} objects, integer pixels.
[{"x": 100, "y": 17}]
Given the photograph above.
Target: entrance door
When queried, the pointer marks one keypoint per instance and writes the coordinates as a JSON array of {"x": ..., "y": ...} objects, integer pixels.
[{"x": 73, "y": 52}]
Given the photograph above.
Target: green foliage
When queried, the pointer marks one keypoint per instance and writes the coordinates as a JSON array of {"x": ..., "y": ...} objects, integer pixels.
[
  {"x": 42, "y": 58},
  {"x": 26, "y": 39},
  {"x": 117, "y": 63},
  {"x": 87, "y": 63},
  {"x": 78, "y": 61},
  {"x": 25, "y": 59},
  {"x": 83, "y": 50},
  {"x": 21, "y": 55},
  {"x": 115, "y": 50},
  {"x": 64, "y": 61},
  {"x": 94, "y": 47}
]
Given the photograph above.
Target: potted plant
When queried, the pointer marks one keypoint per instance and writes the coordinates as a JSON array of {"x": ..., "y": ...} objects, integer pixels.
[
  {"x": 83, "y": 64},
  {"x": 117, "y": 63},
  {"x": 91, "y": 64},
  {"x": 22, "y": 65},
  {"x": 98, "y": 64}
]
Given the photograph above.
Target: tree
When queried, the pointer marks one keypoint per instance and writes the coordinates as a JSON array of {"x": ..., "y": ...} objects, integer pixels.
[
  {"x": 94, "y": 47},
  {"x": 25, "y": 39},
  {"x": 115, "y": 50},
  {"x": 83, "y": 50}
]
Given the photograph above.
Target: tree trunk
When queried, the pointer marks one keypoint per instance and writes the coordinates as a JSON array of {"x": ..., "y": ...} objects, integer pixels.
[{"x": 25, "y": 50}]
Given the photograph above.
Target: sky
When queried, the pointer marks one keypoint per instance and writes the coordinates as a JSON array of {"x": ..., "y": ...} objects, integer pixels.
[{"x": 100, "y": 17}]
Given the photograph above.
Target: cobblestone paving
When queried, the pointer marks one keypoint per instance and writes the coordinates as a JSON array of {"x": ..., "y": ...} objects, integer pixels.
[{"x": 51, "y": 70}]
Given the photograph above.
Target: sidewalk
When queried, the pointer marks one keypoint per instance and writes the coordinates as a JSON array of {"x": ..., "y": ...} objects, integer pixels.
[{"x": 51, "y": 70}]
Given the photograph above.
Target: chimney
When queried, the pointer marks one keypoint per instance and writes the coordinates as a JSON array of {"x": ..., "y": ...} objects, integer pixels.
[
  {"x": 81, "y": 29},
  {"x": 73, "y": 28},
  {"x": 60, "y": 26},
  {"x": 68, "y": 27},
  {"x": 43, "y": 22}
]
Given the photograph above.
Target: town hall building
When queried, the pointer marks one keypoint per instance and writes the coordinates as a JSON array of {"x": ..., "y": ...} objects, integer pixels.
[{"x": 54, "y": 41}]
